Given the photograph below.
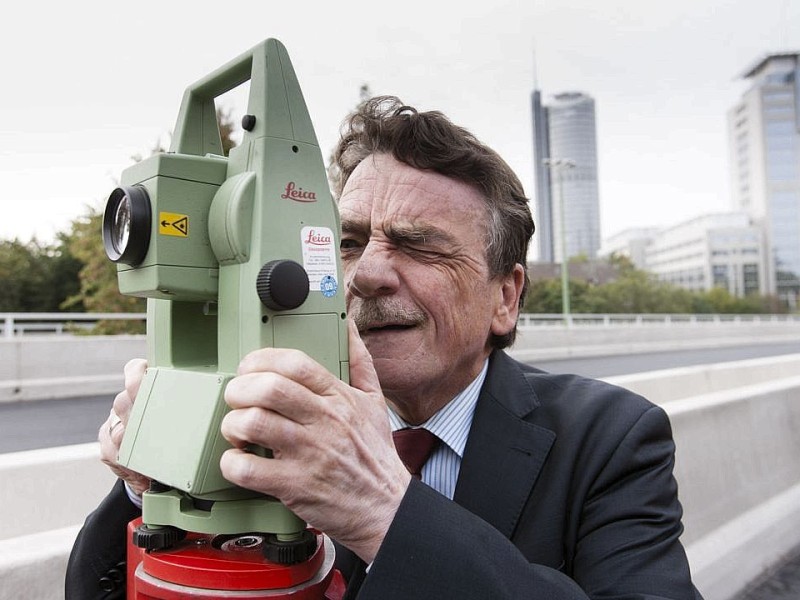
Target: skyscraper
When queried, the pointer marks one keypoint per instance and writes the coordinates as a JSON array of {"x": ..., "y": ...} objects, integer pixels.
[
  {"x": 764, "y": 145},
  {"x": 565, "y": 130}
]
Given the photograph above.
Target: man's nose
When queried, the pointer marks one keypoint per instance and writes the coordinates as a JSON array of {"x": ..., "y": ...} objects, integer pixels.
[{"x": 374, "y": 273}]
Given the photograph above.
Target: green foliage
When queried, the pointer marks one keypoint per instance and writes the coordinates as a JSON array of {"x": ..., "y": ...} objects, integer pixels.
[
  {"x": 636, "y": 291},
  {"x": 544, "y": 296},
  {"x": 719, "y": 300},
  {"x": 36, "y": 277},
  {"x": 98, "y": 291},
  {"x": 639, "y": 292},
  {"x": 226, "y": 129}
]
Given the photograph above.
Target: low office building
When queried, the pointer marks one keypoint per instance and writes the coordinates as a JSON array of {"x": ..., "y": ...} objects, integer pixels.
[
  {"x": 631, "y": 243},
  {"x": 715, "y": 250}
]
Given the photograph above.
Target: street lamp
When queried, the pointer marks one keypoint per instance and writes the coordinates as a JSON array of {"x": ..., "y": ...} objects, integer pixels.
[{"x": 558, "y": 166}]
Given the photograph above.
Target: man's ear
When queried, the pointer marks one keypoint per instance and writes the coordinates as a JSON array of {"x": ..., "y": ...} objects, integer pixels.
[{"x": 507, "y": 308}]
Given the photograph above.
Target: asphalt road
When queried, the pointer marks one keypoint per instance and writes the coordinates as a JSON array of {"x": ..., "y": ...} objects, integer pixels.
[
  {"x": 781, "y": 583},
  {"x": 608, "y": 366},
  {"x": 61, "y": 422}
]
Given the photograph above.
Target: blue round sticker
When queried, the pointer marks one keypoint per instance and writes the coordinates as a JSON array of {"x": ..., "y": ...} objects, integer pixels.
[{"x": 328, "y": 286}]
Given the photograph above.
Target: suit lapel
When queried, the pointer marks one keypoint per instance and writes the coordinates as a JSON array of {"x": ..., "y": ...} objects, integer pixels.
[
  {"x": 502, "y": 460},
  {"x": 504, "y": 453}
]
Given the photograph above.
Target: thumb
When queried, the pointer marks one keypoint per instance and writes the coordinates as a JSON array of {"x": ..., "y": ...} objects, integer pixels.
[
  {"x": 362, "y": 370},
  {"x": 134, "y": 372}
]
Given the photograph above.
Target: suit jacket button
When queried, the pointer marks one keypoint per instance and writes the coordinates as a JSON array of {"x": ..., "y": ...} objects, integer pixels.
[
  {"x": 111, "y": 581},
  {"x": 107, "y": 584}
]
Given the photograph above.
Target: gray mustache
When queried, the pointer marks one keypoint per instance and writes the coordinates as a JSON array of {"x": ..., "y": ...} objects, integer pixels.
[{"x": 368, "y": 312}]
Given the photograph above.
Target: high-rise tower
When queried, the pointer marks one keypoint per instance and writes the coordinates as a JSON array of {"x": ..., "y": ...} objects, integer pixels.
[
  {"x": 565, "y": 130},
  {"x": 764, "y": 145}
]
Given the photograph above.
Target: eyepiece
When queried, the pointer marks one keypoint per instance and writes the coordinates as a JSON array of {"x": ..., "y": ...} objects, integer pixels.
[{"x": 126, "y": 225}]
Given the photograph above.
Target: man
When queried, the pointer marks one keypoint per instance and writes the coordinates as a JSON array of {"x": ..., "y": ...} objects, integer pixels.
[{"x": 541, "y": 486}]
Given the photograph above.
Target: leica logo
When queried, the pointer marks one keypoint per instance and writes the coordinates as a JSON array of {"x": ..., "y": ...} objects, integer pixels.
[
  {"x": 318, "y": 239},
  {"x": 298, "y": 194}
]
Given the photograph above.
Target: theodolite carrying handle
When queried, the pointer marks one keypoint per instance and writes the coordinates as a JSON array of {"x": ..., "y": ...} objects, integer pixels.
[{"x": 271, "y": 75}]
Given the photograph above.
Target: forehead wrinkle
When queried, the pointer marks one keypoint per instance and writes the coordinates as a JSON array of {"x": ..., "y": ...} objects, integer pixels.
[
  {"x": 442, "y": 191},
  {"x": 439, "y": 187},
  {"x": 359, "y": 194},
  {"x": 412, "y": 192}
]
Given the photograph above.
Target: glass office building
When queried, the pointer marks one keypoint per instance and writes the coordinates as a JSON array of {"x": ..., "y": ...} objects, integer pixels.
[
  {"x": 565, "y": 130},
  {"x": 764, "y": 142}
]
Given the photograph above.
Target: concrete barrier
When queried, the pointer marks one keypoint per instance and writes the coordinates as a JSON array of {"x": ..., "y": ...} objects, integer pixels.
[
  {"x": 62, "y": 366},
  {"x": 738, "y": 468},
  {"x": 44, "y": 497},
  {"x": 552, "y": 342},
  {"x": 737, "y": 433},
  {"x": 32, "y": 567},
  {"x": 669, "y": 385}
]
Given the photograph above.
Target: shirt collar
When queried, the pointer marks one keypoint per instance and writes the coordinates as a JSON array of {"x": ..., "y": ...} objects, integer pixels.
[{"x": 451, "y": 423}]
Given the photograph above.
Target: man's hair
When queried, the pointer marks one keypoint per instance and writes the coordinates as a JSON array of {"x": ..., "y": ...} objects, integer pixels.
[{"x": 430, "y": 141}]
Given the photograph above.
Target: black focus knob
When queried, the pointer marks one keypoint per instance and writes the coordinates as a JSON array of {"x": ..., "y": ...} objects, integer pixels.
[
  {"x": 157, "y": 538},
  {"x": 290, "y": 552},
  {"x": 248, "y": 122},
  {"x": 282, "y": 285}
]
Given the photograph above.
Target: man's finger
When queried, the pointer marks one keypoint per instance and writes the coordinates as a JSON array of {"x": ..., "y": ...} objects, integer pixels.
[
  {"x": 122, "y": 406},
  {"x": 134, "y": 372},
  {"x": 274, "y": 392},
  {"x": 266, "y": 475},
  {"x": 362, "y": 370},
  {"x": 290, "y": 363},
  {"x": 263, "y": 428}
]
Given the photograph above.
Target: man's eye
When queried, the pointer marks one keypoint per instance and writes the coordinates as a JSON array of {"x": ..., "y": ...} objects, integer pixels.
[
  {"x": 348, "y": 244},
  {"x": 421, "y": 248}
]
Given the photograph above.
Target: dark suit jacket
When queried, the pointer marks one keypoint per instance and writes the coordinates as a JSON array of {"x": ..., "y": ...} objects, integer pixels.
[{"x": 565, "y": 491}]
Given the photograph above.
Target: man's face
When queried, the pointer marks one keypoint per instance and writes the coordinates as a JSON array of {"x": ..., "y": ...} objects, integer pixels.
[{"x": 418, "y": 284}]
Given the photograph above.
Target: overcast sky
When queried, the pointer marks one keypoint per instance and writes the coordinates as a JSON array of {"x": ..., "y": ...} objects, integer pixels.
[{"x": 88, "y": 84}]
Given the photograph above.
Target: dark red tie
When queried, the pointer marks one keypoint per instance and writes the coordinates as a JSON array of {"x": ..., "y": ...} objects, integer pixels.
[{"x": 414, "y": 447}]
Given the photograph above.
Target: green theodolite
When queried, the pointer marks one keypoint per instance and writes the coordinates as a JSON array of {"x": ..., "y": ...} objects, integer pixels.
[{"x": 233, "y": 254}]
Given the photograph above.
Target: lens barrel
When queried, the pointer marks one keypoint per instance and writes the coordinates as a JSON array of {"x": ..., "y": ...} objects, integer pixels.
[{"x": 127, "y": 223}]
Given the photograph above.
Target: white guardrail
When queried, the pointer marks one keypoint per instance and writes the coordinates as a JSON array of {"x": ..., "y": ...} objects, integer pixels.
[
  {"x": 621, "y": 319},
  {"x": 16, "y": 324}
]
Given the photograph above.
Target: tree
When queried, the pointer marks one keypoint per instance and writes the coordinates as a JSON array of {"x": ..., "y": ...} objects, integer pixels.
[
  {"x": 636, "y": 291},
  {"x": 64, "y": 277},
  {"x": 36, "y": 277},
  {"x": 226, "y": 130},
  {"x": 21, "y": 275},
  {"x": 544, "y": 296},
  {"x": 640, "y": 292},
  {"x": 98, "y": 290},
  {"x": 720, "y": 300}
]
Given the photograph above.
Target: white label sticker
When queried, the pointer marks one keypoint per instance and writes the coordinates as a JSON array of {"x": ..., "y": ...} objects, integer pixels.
[{"x": 319, "y": 259}]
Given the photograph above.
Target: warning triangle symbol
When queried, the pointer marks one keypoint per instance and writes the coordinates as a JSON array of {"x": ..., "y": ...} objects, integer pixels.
[{"x": 181, "y": 225}]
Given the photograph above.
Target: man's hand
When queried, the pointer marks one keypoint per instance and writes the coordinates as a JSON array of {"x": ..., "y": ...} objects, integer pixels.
[
  {"x": 334, "y": 462},
  {"x": 111, "y": 432}
]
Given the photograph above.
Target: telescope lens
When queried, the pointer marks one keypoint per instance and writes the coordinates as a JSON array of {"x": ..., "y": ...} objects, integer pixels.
[
  {"x": 122, "y": 225},
  {"x": 126, "y": 225}
]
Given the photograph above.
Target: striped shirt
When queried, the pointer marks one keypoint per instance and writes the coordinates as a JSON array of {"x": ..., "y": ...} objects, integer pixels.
[{"x": 451, "y": 425}]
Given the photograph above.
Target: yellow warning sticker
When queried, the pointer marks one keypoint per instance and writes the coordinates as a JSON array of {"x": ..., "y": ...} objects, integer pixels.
[{"x": 173, "y": 224}]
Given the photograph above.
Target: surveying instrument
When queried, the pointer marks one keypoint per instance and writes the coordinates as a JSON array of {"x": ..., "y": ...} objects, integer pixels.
[{"x": 233, "y": 254}]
